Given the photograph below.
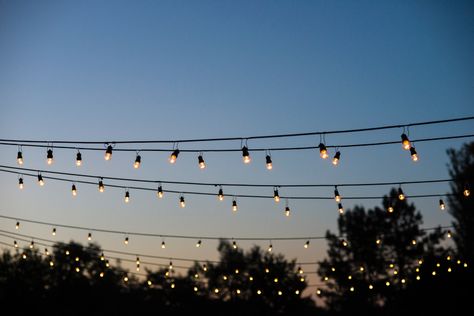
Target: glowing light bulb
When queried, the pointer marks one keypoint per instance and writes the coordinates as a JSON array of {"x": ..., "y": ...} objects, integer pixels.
[
  {"x": 340, "y": 208},
  {"x": 270, "y": 248},
  {"x": 413, "y": 153},
  {"x": 306, "y": 245},
  {"x": 259, "y": 292},
  {"x": 442, "y": 206},
  {"x": 276, "y": 196},
  {"x": 378, "y": 241},
  {"x": 198, "y": 244},
  {"x": 287, "y": 211},
  {"x": 201, "y": 162},
  {"x": 32, "y": 244},
  {"x": 160, "y": 192},
  {"x": 246, "y": 155},
  {"x": 49, "y": 156},
  {"x": 300, "y": 271},
  {"x": 405, "y": 142},
  {"x": 448, "y": 234},
  {"x": 17, "y": 225},
  {"x": 344, "y": 243},
  {"x": 204, "y": 267},
  {"x": 234, "y": 245},
  {"x": 401, "y": 195},
  {"x": 413, "y": 242},
  {"x": 182, "y": 203},
  {"x": 20, "y": 183},
  {"x": 101, "y": 186},
  {"x": 127, "y": 197},
  {"x": 337, "y": 196},
  {"x": 220, "y": 195},
  {"x": 371, "y": 287},
  {"x": 163, "y": 245},
  {"x": 19, "y": 158},
  {"x": 78, "y": 159},
  {"x": 323, "y": 152},
  {"x": 234, "y": 205},
  {"x": 174, "y": 156},
  {"x": 74, "y": 190},
  {"x": 138, "y": 161},
  {"x": 336, "y": 158},
  {"x": 89, "y": 236},
  {"x": 15, "y": 244},
  {"x": 268, "y": 162},
  {"x": 171, "y": 265},
  {"x": 108, "y": 153},
  {"x": 466, "y": 191},
  {"x": 390, "y": 208},
  {"x": 125, "y": 241},
  {"x": 40, "y": 180}
]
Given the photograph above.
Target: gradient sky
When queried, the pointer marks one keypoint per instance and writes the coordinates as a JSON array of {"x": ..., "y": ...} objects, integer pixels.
[{"x": 118, "y": 70}]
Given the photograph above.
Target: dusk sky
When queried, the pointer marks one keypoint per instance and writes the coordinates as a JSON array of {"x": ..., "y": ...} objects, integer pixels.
[{"x": 160, "y": 70}]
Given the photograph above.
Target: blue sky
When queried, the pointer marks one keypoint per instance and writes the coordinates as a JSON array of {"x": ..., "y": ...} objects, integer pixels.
[{"x": 116, "y": 70}]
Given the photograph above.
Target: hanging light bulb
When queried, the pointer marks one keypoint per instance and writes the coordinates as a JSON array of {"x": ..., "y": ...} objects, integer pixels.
[
  {"x": 340, "y": 208},
  {"x": 32, "y": 244},
  {"x": 234, "y": 205},
  {"x": 234, "y": 245},
  {"x": 40, "y": 179},
  {"x": 201, "y": 162},
  {"x": 442, "y": 206},
  {"x": 73, "y": 190},
  {"x": 401, "y": 195},
  {"x": 287, "y": 211},
  {"x": 276, "y": 196},
  {"x": 108, "y": 153},
  {"x": 323, "y": 152},
  {"x": 101, "y": 186},
  {"x": 15, "y": 244},
  {"x": 20, "y": 183},
  {"x": 413, "y": 153},
  {"x": 220, "y": 195},
  {"x": 127, "y": 196},
  {"x": 163, "y": 245},
  {"x": 138, "y": 260},
  {"x": 19, "y": 157},
  {"x": 344, "y": 243},
  {"x": 198, "y": 244},
  {"x": 466, "y": 190},
  {"x": 181, "y": 201},
  {"x": 246, "y": 155},
  {"x": 336, "y": 158},
  {"x": 337, "y": 196},
  {"x": 174, "y": 155},
  {"x": 448, "y": 234},
  {"x": 17, "y": 225},
  {"x": 125, "y": 241},
  {"x": 160, "y": 192},
  {"x": 78, "y": 159},
  {"x": 300, "y": 271},
  {"x": 270, "y": 247},
  {"x": 138, "y": 161},
  {"x": 405, "y": 142},
  {"x": 89, "y": 236},
  {"x": 49, "y": 156},
  {"x": 390, "y": 208},
  {"x": 204, "y": 267},
  {"x": 268, "y": 162},
  {"x": 53, "y": 232},
  {"x": 171, "y": 265},
  {"x": 306, "y": 245}
]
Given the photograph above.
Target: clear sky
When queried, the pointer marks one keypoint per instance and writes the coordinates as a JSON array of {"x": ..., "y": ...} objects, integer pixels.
[{"x": 117, "y": 70}]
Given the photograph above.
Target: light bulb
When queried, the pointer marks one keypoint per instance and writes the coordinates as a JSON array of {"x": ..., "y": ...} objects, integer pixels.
[
  {"x": 160, "y": 192},
  {"x": 306, "y": 245},
  {"x": 234, "y": 205},
  {"x": 201, "y": 162},
  {"x": 17, "y": 225},
  {"x": 344, "y": 243},
  {"x": 401, "y": 195},
  {"x": 19, "y": 158},
  {"x": 270, "y": 248},
  {"x": 466, "y": 191},
  {"x": 268, "y": 162},
  {"x": 74, "y": 190},
  {"x": 442, "y": 206},
  {"x": 163, "y": 245},
  {"x": 204, "y": 267},
  {"x": 15, "y": 244},
  {"x": 174, "y": 156},
  {"x": 198, "y": 244},
  {"x": 414, "y": 155},
  {"x": 125, "y": 241},
  {"x": 127, "y": 197},
  {"x": 337, "y": 196},
  {"x": 448, "y": 234},
  {"x": 101, "y": 186},
  {"x": 220, "y": 195},
  {"x": 78, "y": 159},
  {"x": 234, "y": 245},
  {"x": 108, "y": 153},
  {"x": 340, "y": 208},
  {"x": 20, "y": 183},
  {"x": 40, "y": 180},
  {"x": 49, "y": 156},
  {"x": 181, "y": 201},
  {"x": 336, "y": 158},
  {"x": 89, "y": 236},
  {"x": 171, "y": 265},
  {"x": 246, "y": 155},
  {"x": 32, "y": 244},
  {"x": 138, "y": 260},
  {"x": 53, "y": 232},
  {"x": 390, "y": 208},
  {"x": 276, "y": 196},
  {"x": 300, "y": 270},
  {"x": 405, "y": 142},
  {"x": 323, "y": 152},
  {"x": 287, "y": 211},
  {"x": 137, "y": 162}
]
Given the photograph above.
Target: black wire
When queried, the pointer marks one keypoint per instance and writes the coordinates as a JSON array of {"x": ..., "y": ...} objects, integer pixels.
[
  {"x": 180, "y": 192},
  {"x": 367, "y": 129},
  {"x": 7, "y": 142}
]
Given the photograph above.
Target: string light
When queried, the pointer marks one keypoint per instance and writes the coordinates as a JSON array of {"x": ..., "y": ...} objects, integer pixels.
[
  {"x": 49, "y": 156},
  {"x": 163, "y": 245},
  {"x": 19, "y": 157},
  {"x": 344, "y": 243},
  {"x": 413, "y": 153},
  {"x": 160, "y": 192},
  {"x": 40, "y": 179},
  {"x": 138, "y": 161},
  {"x": 174, "y": 156},
  {"x": 53, "y": 232},
  {"x": 448, "y": 234},
  {"x": 466, "y": 190},
  {"x": 20, "y": 183},
  {"x": 276, "y": 196},
  {"x": 201, "y": 162},
  {"x": 198, "y": 244},
  {"x": 171, "y": 265},
  {"x": 401, "y": 195},
  {"x": 390, "y": 208},
  {"x": 78, "y": 159},
  {"x": 17, "y": 225},
  {"x": 89, "y": 236},
  {"x": 220, "y": 195},
  {"x": 268, "y": 162},
  {"x": 234, "y": 244},
  {"x": 32, "y": 244},
  {"x": 74, "y": 190},
  {"x": 182, "y": 203},
  {"x": 323, "y": 152},
  {"x": 340, "y": 208},
  {"x": 125, "y": 241},
  {"x": 15, "y": 244},
  {"x": 337, "y": 196},
  {"x": 246, "y": 155},
  {"x": 405, "y": 142},
  {"x": 270, "y": 247},
  {"x": 234, "y": 205},
  {"x": 108, "y": 153},
  {"x": 127, "y": 196},
  {"x": 442, "y": 206},
  {"x": 101, "y": 186},
  {"x": 306, "y": 245},
  {"x": 287, "y": 211},
  {"x": 336, "y": 158}
]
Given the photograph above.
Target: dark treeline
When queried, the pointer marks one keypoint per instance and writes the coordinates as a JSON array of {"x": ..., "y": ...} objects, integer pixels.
[{"x": 378, "y": 263}]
